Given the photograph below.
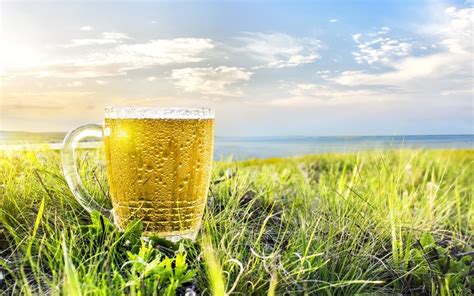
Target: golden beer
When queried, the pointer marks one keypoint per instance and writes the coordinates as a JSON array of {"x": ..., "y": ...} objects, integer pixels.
[{"x": 159, "y": 171}]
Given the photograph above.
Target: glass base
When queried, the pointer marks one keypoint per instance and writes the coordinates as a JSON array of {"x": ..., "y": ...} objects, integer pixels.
[
  {"x": 169, "y": 236},
  {"x": 178, "y": 237},
  {"x": 172, "y": 237}
]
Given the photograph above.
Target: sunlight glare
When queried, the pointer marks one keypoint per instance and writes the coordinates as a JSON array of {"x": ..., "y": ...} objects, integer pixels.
[{"x": 17, "y": 56}]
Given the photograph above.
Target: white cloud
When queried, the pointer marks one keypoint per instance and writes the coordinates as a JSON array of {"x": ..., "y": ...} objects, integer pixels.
[
  {"x": 278, "y": 50},
  {"x": 101, "y": 82},
  {"x": 90, "y": 41},
  {"x": 404, "y": 71},
  {"x": 448, "y": 71},
  {"x": 122, "y": 58},
  {"x": 323, "y": 73},
  {"x": 115, "y": 35},
  {"x": 164, "y": 51},
  {"x": 210, "y": 81},
  {"x": 107, "y": 38},
  {"x": 310, "y": 95},
  {"x": 86, "y": 28},
  {"x": 377, "y": 48},
  {"x": 326, "y": 91},
  {"x": 333, "y": 20},
  {"x": 356, "y": 37},
  {"x": 457, "y": 33},
  {"x": 75, "y": 84},
  {"x": 308, "y": 101},
  {"x": 152, "y": 78},
  {"x": 457, "y": 92}
]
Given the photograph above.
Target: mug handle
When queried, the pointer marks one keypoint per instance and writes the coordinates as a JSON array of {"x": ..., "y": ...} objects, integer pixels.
[{"x": 68, "y": 155}]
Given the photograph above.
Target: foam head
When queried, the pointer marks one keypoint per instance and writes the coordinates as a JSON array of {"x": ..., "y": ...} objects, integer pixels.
[{"x": 158, "y": 113}]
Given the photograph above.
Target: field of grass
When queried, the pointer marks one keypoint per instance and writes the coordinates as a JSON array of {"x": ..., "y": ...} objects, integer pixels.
[{"x": 376, "y": 222}]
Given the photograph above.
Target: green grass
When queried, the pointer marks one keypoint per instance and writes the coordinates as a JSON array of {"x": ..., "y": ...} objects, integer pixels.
[{"x": 375, "y": 222}]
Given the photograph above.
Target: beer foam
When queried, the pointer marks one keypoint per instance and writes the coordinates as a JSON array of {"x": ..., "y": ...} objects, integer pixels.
[{"x": 158, "y": 113}]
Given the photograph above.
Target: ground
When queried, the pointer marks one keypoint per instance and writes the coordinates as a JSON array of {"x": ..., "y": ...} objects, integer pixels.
[{"x": 375, "y": 222}]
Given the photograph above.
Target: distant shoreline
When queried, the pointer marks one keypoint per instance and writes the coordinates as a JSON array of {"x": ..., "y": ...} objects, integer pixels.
[
  {"x": 57, "y": 137},
  {"x": 240, "y": 148}
]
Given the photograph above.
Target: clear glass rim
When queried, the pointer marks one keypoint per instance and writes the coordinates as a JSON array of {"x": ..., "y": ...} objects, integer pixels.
[{"x": 117, "y": 112}]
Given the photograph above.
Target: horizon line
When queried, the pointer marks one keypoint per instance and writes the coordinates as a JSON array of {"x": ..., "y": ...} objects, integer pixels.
[{"x": 280, "y": 136}]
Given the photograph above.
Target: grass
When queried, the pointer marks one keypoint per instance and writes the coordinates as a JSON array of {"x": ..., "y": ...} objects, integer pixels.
[{"x": 375, "y": 222}]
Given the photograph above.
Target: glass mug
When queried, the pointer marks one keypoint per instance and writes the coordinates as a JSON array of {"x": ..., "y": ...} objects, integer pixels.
[{"x": 158, "y": 164}]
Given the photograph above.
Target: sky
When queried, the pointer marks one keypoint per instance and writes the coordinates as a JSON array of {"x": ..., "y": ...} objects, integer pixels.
[{"x": 268, "y": 68}]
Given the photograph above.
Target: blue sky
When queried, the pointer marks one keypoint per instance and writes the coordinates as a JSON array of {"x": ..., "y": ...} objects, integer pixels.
[{"x": 267, "y": 68}]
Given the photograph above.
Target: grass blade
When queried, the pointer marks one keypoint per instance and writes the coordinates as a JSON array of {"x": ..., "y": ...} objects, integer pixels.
[{"x": 71, "y": 285}]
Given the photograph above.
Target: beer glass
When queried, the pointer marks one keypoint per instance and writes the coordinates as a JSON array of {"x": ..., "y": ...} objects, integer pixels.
[{"x": 158, "y": 163}]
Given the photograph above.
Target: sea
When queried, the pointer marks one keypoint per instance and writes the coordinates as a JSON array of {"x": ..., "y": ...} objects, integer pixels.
[{"x": 239, "y": 148}]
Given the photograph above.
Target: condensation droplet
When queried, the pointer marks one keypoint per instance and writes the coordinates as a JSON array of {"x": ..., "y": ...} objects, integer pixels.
[{"x": 149, "y": 167}]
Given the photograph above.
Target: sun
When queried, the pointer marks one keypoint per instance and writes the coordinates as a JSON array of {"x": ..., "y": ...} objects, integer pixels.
[{"x": 16, "y": 56}]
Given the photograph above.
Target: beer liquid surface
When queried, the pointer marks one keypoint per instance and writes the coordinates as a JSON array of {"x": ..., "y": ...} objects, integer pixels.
[{"x": 159, "y": 172}]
